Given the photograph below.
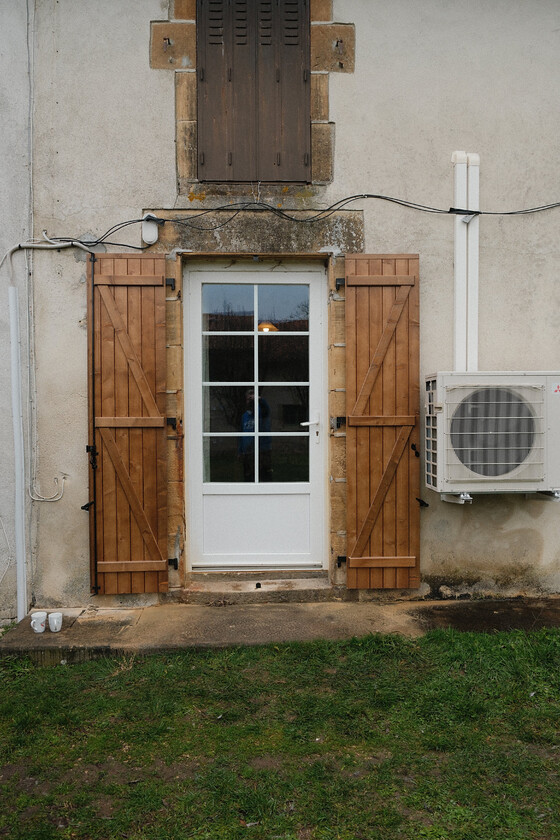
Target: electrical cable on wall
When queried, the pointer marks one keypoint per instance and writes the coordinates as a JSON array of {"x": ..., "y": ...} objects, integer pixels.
[{"x": 318, "y": 216}]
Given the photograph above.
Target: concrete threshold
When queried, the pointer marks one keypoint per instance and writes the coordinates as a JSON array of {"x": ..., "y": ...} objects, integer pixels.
[{"x": 215, "y": 589}]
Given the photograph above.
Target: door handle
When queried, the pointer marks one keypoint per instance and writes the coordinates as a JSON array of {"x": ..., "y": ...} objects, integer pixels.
[{"x": 307, "y": 423}]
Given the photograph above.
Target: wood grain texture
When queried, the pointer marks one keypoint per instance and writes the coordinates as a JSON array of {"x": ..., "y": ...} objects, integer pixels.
[{"x": 382, "y": 421}]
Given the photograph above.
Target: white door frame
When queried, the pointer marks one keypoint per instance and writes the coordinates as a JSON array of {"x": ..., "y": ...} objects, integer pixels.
[{"x": 206, "y": 545}]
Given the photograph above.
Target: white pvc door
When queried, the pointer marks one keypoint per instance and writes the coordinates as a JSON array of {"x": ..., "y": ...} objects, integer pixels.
[{"x": 255, "y": 415}]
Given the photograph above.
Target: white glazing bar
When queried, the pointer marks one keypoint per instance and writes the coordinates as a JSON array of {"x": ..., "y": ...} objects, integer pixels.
[
  {"x": 473, "y": 196},
  {"x": 459, "y": 160}
]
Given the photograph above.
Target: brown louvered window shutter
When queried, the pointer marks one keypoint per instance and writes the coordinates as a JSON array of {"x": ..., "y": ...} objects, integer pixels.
[
  {"x": 382, "y": 435},
  {"x": 127, "y": 432},
  {"x": 253, "y": 90}
]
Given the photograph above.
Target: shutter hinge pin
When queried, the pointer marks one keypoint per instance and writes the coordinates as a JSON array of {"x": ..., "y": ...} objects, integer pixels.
[
  {"x": 170, "y": 281},
  {"x": 173, "y": 561},
  {"x": 340, "y": 283},
  {"x": 172, "y": 421},
  {"x": 87, "y": 505},
  {"x": 340, "y": 560}
]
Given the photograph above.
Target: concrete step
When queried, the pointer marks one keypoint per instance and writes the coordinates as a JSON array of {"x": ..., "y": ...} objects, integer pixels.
[{"x": 222, "y": 589}]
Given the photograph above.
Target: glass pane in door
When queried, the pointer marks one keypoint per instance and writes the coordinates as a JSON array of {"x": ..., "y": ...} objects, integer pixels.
[{"x": 255, "y": 369}]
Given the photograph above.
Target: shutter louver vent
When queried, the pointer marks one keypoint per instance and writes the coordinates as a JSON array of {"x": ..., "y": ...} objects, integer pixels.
[
  {"x": 216, "y": 22},
  {"x": 240, "y": 23},
  {"x": 265, "y": 23},
  {"x": 291, "y": 23}
]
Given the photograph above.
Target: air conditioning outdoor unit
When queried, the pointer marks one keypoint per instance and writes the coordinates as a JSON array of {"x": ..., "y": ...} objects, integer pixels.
[{"x": 493, "y": 432}]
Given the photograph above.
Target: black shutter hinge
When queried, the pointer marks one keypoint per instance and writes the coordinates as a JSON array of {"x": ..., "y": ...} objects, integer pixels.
[
  {"x": 87, "y": 505},
  {"x": 340, "y": 283},
  {"x": 170, "y": 281},
  {"x": 173, "y": 562},
  {"x": 172, "y": 421},
  {"x": 93, "y": 453},
  {"x": 337, "y": 422},
  {"x": 340, "y": 560},
  {"x": 422, "y": 503}
]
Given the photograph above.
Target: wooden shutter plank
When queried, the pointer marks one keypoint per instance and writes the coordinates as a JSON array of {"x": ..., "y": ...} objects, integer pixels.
[{"x": 382, "y": 422}]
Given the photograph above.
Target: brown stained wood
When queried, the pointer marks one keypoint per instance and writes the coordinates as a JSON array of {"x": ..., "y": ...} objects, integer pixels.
[
  {"x": 384, "y": 514},
  {"x": 383, "y": 562},
  {"x": 381, "y": 280},
  {"x": 381, "y": 350},
  {"x": 124, "y": 280},
  {"x": 130, "y": 422},
  {"x": 133, "y": 566},
  {"x": 133, "y": 361},
  {"x": 133, "y": 500},
  {"x": 122, "y": 444},
  {"x": 389, "y": 420},
  {"x": 129, "y": 414},
  {"x": 135, "y": 407}
]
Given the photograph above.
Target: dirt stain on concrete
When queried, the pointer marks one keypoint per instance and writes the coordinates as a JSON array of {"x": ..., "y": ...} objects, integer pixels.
[{"x": 492, "y": 615}]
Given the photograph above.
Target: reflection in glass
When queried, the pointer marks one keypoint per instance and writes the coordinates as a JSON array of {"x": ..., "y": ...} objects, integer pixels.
[
  {"x": 288, "y": 406},
  {"x": 283, "y": 358},
  {"x": 221, "y": 460},
  {"x": 227, "y": 306},
  {"x": 224, "y": 406},
  {"x": 289, "y": 459},
  {"x": 286, "y": 307},
  {"x": 227, "y": 358}
]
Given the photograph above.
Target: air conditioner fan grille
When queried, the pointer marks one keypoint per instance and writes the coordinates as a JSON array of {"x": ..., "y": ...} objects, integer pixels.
[{"x": 493, "y": 431}]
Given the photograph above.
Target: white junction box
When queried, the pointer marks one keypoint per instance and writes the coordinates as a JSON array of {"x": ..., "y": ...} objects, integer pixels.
[{"x": 493, "y": 432}]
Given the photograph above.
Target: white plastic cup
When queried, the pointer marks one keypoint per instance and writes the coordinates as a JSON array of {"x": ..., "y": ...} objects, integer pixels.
[
  {"x": 55, "y": 622},
  {"x": 38, "y": 621}
]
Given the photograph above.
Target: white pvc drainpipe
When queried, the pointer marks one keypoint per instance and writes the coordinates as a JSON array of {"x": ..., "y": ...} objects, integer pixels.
[
  {"x": 19, "y": 470},
  {"x": 466, "y": 262}
]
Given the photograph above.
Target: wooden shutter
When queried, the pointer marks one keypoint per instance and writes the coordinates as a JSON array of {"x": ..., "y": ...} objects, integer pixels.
[
  {"x": 382, "y": 434},
  {"x": 253, "y": 90},
  {"x": 128, "y": 463},
  {"x": 283, "y": 62}
]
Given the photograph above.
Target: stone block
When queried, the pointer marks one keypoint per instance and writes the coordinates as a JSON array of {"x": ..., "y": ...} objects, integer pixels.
[
  {"x": 185, "y": 96},
  {"x": 337, "y": 367},
  {"x": 186, "y": 149},
  {"x": 337, "y": 454},
  {"x": 173, "y": 322},
  {"x": 337, "y": 326},
  {"x": 172, "y": 46},
  {"x": 333, "y": 47},
  {"x": 321, "y": 10},
  {"x": 174, "y": 368},
  {"x": 322, "y": 152},
  {"x": 185, "y": 10},
  {"x": 319, "y": 96}
]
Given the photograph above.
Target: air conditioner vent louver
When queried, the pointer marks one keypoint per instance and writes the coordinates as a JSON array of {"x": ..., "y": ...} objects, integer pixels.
[{"x": 490, "y": 432}]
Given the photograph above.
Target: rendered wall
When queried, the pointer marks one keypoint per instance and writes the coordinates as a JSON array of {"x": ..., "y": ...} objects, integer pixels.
[{"x": 429, "y": 78}]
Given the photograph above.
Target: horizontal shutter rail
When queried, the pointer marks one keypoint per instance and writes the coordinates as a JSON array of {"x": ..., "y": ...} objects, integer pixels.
[
  {"x": 381, "y": 280},
  {"x": 133, "y": 566},
  {"x": 383, "y": 562},
  {"x": 129, "y": 280},
  {"x": 129, "y": 422},
  {"x": 386, "y": 420}
]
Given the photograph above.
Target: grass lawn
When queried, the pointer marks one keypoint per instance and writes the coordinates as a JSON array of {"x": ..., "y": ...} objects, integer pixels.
[{"x": 455, "y": 736}]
